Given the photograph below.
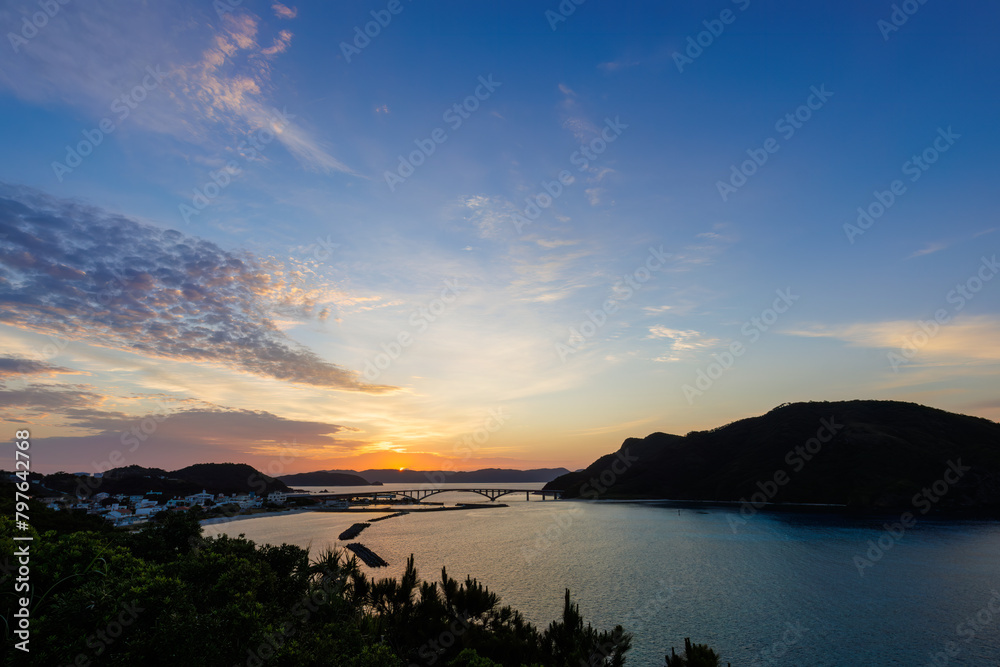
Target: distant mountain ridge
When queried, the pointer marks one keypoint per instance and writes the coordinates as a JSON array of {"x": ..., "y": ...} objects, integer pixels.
[
  {"x": 226, "y": 478},
  {"x": 863, "y": 454},
  {"x": 324, "y": 478},
  {"x": 390, "y": 476}
]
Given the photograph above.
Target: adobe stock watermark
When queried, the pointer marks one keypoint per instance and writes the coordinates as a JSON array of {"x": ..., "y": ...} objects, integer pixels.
[
  {"x": 322, "y": 248},
  {"x": 714, "y": 28},
  {"x": 796, "y": 459},
  {"x": 249, "y": 149},
  {"x": 454, "y": 116},
  {"x": 901, "y": 13},
  {"x": 372, "y": 29},
  {"x": 122, "y": 106},
  {"x": 968, "y": 629},
  {"x": 915, "y": 167},
  {"x": 331, "y": 586},
  {"x": 59, "y": 342},
  {"x": 420, "y": 320},
  {"x": 751, "y": 330},
  {"x": 566, "y": 9},
  {"x": 923, "y": 501},
  {"x": 624, "y": 289},
  {"x": 927, "y": 330},
  {"x": 774, "y": 654},
  {"x": 466, "y": 446},
  {"x": 432, "y": 649},
  {"x": 592, "y": 489},
  {"x": 787, "y": 125},
  {"x": 634, "y": 621},
  {"x": 142, "y": 429},
  {"x": 101, "y": 640},
  {"x": 581, "y": 159},
  {"x": 30, "y": 27}
]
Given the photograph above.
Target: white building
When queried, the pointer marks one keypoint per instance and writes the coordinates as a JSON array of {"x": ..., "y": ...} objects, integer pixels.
[
  {"x": 277, "y": 497},
  {"x": 149, "y": 511},
  {"x": 200, "y": 498}
]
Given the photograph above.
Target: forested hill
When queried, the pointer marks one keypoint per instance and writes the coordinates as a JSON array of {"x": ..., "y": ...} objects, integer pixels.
[
  {"x": 865, "y": 454},
  {"x": 323, "y": 478},
  {"x": 214, "y": 477}
]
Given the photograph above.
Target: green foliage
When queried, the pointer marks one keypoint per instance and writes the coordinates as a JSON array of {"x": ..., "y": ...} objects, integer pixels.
[
  {"x": 695, "y": 655},
  {"x": 166, "y": 596},
  {"x": 44, "y": 519},
  {"x": 570, "y": 643},
  {"x": 469, "y": 658}
]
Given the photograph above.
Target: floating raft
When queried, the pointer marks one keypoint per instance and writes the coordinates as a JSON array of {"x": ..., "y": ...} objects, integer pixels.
[
  {"x": 353, "y": 531},
  {"x": 388, "y": 516},
  {"x": 369, "y": 557}
]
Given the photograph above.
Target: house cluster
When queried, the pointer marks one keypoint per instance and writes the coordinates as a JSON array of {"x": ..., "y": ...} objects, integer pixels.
[{"x": 125, "y": 510}]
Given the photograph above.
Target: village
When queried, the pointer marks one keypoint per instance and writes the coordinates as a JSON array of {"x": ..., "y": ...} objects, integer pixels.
[{"x": 128, "y": 510}]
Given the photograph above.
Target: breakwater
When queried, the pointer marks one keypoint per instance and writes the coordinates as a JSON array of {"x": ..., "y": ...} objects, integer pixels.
[
  {"x": 353, "y": 531},
  {"x": 367, "y": 556}
]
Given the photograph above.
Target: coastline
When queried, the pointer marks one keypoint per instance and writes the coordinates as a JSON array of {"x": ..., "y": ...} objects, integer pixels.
[
  {"x": 241, "y": 517},
  {"x": 415, "y": 510}
]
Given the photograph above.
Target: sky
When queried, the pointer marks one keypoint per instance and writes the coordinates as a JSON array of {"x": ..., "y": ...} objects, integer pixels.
[{"x": 457, "y": 235}]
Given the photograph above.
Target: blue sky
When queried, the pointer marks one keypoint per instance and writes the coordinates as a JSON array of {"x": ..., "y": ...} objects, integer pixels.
[{"x": 231, "y": 256}]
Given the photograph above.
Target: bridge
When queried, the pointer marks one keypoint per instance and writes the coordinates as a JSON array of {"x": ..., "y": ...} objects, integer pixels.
[
  {"x": 492, "y": 494},
  {"x": 418, "y": 495}
]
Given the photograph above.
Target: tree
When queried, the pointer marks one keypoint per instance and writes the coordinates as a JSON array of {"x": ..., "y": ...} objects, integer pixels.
[
  {"x": 695, "y": 655},
  {"x": 571, "y": 643}
]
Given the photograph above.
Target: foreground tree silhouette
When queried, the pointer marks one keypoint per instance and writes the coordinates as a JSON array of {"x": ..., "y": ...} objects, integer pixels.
[
  {"x": 166, "y": 596},
  {"x": 695, "y": 655},
  {"x": 571, "y": 644}
]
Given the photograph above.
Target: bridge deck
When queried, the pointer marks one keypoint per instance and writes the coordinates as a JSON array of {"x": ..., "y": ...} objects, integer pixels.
[{"x": 420, "y": 494}]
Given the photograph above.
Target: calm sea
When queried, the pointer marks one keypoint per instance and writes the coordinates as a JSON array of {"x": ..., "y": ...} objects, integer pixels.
[{"x": 781, "y": 589}]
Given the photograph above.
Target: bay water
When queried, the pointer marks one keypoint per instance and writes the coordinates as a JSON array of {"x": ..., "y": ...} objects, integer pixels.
[{"x": 774, "y": 588}]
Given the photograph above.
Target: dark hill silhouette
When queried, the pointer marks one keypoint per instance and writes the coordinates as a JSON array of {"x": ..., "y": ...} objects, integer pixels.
[
  {"x": 879, "y": 454},
  {"x": 215, "y": 477},
  {"x": 323, "y": 478},
  {"x": 230, "y": 478}
]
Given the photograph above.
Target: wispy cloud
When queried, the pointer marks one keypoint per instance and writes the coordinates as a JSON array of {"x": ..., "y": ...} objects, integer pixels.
[
  {"x": 82, "y": 273},
  {"x": 556, "y": 243},
  {"x": 682, "y": 342},
  {"x": 280, "y": 45},
  {"x": 963, "y": 340},
  {"x": 594, "y": 195},
  {"x": 94, "y": 54},
  {"x": 616, "y": 65},
  {"x": 705, "y": 249},
  {"x": 929, "y": 249},
  {"x": 492, "y": 216},
  {"x": 12, "y": 367},
  {"x": 38, "y": 399},
  {"x": 572, "y": 117},
  {"x": 231, "y": 82},
  {"x": 283, "y": 11}
]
